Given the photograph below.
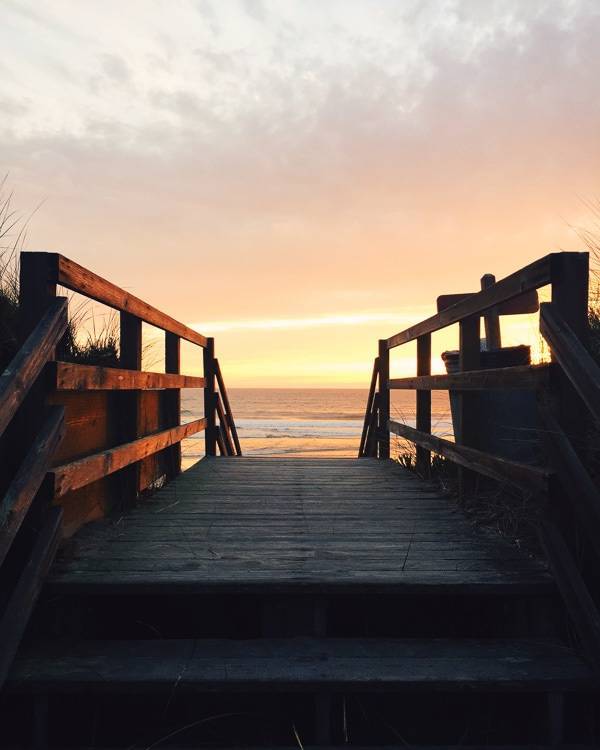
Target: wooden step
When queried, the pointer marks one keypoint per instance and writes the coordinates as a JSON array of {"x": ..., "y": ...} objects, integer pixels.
[{"x": 299, "y": 664}]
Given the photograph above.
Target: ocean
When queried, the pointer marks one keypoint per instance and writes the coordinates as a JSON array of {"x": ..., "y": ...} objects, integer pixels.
[{"x": 307, "y": 422}]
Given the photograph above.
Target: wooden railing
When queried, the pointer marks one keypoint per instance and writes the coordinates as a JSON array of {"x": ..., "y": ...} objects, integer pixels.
[
  {"x": 568, "y": 394},
  {"x": 78, "y": 440},
  {"x": 29, "y": 527}
]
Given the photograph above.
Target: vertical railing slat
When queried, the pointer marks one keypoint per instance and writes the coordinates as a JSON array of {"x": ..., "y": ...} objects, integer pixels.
[
  {"x": 129, "y": 403},
  {"x": 423, "y": 415},
  {"x": 172, "y": 401},
  {"x": 383, "y": 437},
  {"x": 210, "y": 398},
  {"x": 468, "y": 422}
]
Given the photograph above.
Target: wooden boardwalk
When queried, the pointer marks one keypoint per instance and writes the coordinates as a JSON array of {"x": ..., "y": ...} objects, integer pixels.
[{"x": 321, "y": 525}]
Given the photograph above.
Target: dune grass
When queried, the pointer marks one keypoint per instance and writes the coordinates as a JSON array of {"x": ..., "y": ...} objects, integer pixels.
[{"x": 87, "y": 340}]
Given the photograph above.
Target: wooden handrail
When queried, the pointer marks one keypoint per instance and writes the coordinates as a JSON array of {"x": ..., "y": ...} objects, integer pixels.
[
  {"x": 29, "y": 477},
  {"x": 575, "y": 481},
  {"x": 27, "y": 364},
  {"x": 71, "y": 275},
  {"x": 67, "y": 376},
  {"x": 520, "y": 377},
  {"x": 25, "y": 594},
  {"x": 574, "y": 592},
  {"x": 534, "y": 276},
  {"x": 76, "y": 474},
  {"x": 572, "y": 356},
  {"x": 523, "y": 476}
]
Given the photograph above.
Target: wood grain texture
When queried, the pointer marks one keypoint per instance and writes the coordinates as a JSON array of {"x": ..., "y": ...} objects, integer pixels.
[
  {"x": 67, "y": 376},
  {"x": 79, "y": 473},
  {"x": 523, "y": 476},
  {"x": 26, "y": 366},
  {"x": 572, "y": 356},
  {"x": 521, "y": 377},
  {"x": 301, "y": 664},
  {"x": 533, "y": 276},
  {"x": 24, "y": 596},
  {"x": 86, "y": 282},
  {"x": 29, "y": 478},
  {"x": 245, "y": 524}
]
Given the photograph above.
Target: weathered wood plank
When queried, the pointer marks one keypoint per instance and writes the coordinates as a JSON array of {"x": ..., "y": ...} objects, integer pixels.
[
  {"x": 261, "y": 525},
  {"x": 77, "y": 474},
  {"x": 535, "y": 275},
  {"x": 580, "y": 605},
  {"x": 423, "y": 404},
  {"x": 572, "y": 356},
  {"x": 524, "y": 303},
  {"x": 172, "y": 400},
  {"x": 575, "y": 481},
  {"x": 522, "y": 377},
  {"x": 210, "y": 399},
  {"x": 301, "y": 664},
  {"x": 528, "y": 478},
  {"x": 67, "y": 376},
  {"x": 29, "y": 478},
  {"x": 79, "y": 279},
  {"x": 383, "y": 437},
  {"x": 26, "y": 366},
  {"x": 24, "y": 596}
]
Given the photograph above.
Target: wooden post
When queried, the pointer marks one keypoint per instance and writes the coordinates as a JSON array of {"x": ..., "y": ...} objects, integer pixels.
[
  {"x": 468, "y": 401},
  {"x": 570, "y": 284},
  {"x": 423, "y": 416},
  {"x": 210, "y": 398},
  {"x": 383, "y": 437},
  {"x": 37, "y": 289},
  {"x": 129, "y": 403},
  {"x": 172, "y": 401},
  {"x": 491, "y": 318}
]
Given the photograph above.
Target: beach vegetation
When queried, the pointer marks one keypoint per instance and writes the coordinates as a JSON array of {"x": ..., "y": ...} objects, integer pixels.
[{"x": 90, "y": 339}]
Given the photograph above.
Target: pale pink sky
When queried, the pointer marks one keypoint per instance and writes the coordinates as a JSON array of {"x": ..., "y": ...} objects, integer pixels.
[{"x": 301, "y": 178}]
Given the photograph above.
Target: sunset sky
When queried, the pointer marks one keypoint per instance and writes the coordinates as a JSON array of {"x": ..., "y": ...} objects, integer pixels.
[{"x": 299, "y": 179}]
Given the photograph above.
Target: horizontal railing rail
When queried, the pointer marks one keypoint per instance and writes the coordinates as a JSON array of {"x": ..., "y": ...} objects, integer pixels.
[
  {"x": 67, "y": 273},
  {"x": 122, "y": 420},
  {"x": 520, "y": 377},
  {"x": 88, "y": 435},
  {"x": 25, "y": 512},
  {"x": 568, "y": 393},
  {"x": 20, "y": 375},
  {"x": 67, "y": 376},
  {"x": 534, "y": 276}
]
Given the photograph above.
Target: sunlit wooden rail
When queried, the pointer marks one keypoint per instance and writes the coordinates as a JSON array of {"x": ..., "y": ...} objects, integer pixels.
[
  {"x": 568, "y": 392},
  {"x": 79, "y": 439}
]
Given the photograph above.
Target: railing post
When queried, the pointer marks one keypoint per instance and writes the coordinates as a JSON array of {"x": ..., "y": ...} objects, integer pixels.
[
  {"x": 210, "y": 398},
  {"x": 570, "y": 284},
  {"x": 468, "y": 402},
  {"x": 423, "y": 415},
  {"x": 173, "y": 400},
  {"x": 37, "y": 289},
  {"x": 491, "y": 318},
  {"x": 383, "y": 437},
  {"x": 130, "y": 358}
]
